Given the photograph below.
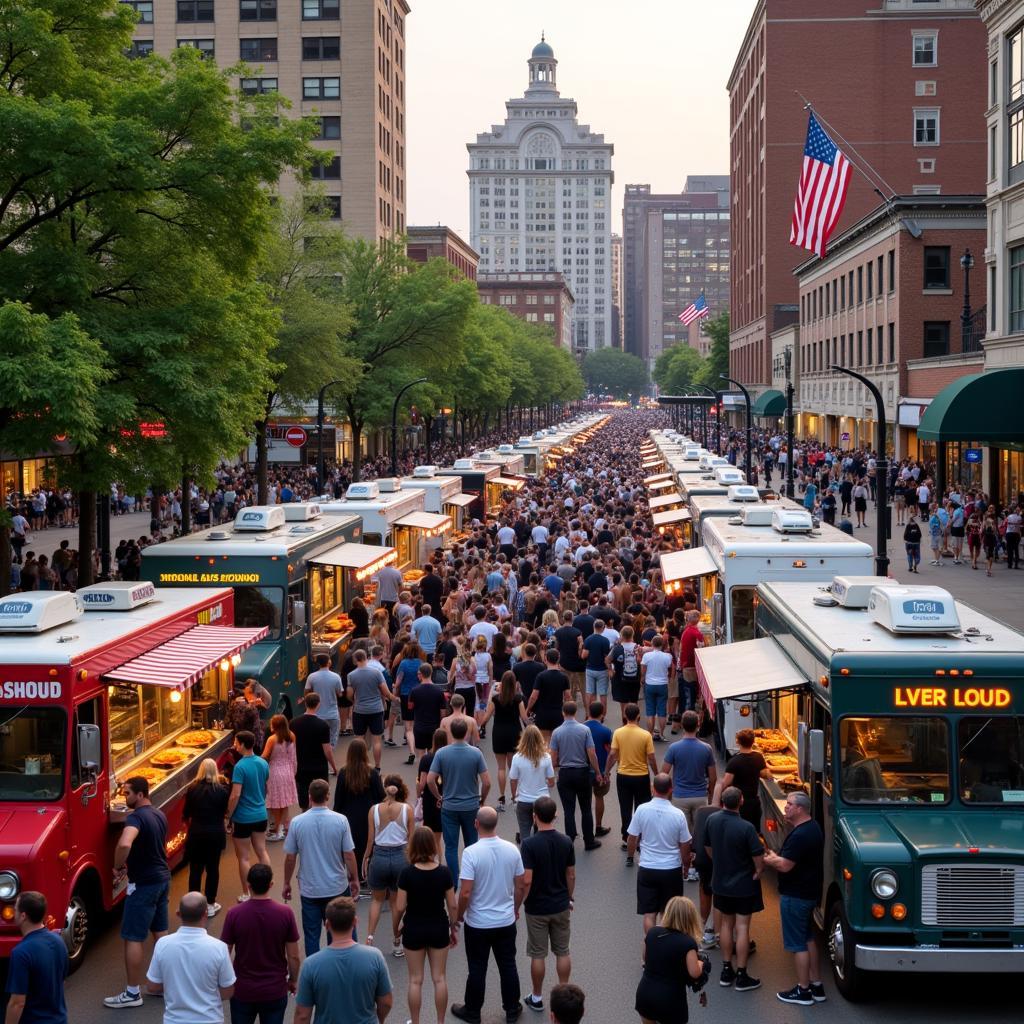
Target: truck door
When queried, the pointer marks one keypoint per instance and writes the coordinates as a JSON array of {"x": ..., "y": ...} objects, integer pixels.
[
  {"x": 821, "y": 787},
  {"x": 84, "y": 787}
]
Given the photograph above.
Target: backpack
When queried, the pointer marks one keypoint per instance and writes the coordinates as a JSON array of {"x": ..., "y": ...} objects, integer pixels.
[{"x": 630, "y": 666}]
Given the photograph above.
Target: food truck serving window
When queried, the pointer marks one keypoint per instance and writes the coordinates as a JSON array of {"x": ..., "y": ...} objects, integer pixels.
[
  {"x": 32, "y": 753},
  {"x": 324, "y": 591},
  {"x": 894, "y": 760},
  {"x": 744, "y": 607},
  {"x": 991, "y": 752},
  {"x": 259, "y": 606}
]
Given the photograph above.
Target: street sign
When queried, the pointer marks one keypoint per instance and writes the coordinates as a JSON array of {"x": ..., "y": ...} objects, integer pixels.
[
  {"x": 295, "y": 436},
  {"x": 844, "y": 437},
  {"x": 972, "y": 455}
]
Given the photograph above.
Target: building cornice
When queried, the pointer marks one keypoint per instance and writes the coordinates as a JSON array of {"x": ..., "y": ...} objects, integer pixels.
[{"x": 989, "y": 9}]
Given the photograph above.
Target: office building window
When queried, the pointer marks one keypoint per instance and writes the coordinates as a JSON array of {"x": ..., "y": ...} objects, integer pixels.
[
  {"x": 257, "y": 86},
  {"x": 936, "y": 339},
  {"x": 321, "y": 47},
  {"x": 257, "y": 10},
  {"x": 936, "y": 266},
  {"x": 321, "y": 88},
  {"x": 326, "y": 206},
  {"x": 1017, "y": 288},
  {"x": 255, "y": 50},
  {"x": 869, "y": 359},
  {"x": 926, "y": 49},
  {"x": 195, "y": 10},
  {"x": 1015, "y": 143},
  {"x": 326, "y": 172},
  {"x": 140, "y": 48},
  {"x": 892, "y": 270},
  {"x": 892, "y": 343},
  {"x": 860, "y": 285},
  {"x": 926, "y": 127},
  {"x": 143, "y": 8},
  {"x": 320, "y": 10},
  {"x": 869, "y": 268},
  {"x": 204, "y": 46},
  {"x": 330, "y": 127}
]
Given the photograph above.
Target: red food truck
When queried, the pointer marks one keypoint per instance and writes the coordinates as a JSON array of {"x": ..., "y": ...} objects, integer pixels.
[{"x": 117, "y": 680}]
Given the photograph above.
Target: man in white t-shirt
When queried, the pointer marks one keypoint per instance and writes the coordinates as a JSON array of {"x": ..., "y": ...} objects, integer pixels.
[
  {"x": 506, "y": 538},
  {"x": 661, "y": 830},
  {"x": 656, "y": 668},
  {"x": 491, "y": 890},
  {"x": 482, "y": 627},
  {"x": 923, "y": 497}
]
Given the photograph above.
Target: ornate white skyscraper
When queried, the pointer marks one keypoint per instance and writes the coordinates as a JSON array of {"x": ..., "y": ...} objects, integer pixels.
[{"x": 540, "y": 198}]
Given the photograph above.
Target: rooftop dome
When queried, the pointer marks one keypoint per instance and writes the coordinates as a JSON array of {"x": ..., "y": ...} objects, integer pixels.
[{"x": 542, "y": 49}]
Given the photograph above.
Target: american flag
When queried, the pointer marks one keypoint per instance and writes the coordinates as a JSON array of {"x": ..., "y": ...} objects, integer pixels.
[
  {"x": 695, "y": 310},
  {"x": 821, "y": 194}
]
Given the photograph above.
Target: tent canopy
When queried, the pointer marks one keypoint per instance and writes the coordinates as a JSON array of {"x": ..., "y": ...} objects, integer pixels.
[{"x": 982, "y": 407}]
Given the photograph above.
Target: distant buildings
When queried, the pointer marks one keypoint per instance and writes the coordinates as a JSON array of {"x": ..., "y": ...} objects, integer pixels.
[
  {"x": 617, "y": 291},
  {"x": 540, "y": 199},
  {"x": 424, "y": 243},
  {"x": 542, "y": 297}
]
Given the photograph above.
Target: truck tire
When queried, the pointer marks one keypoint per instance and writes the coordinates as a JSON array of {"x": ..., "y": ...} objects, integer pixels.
[
  {"x": 79, "y": 921},
  {"x": 840, "y": 940}
]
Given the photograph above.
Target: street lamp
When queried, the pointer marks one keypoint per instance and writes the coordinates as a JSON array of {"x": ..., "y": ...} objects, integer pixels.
[
  {"x": 750, "y": 439},
  {"x": 718, "y": 419},
  {"x": 320, "y": 435},
  {"x": 966, "y": 264},
  {"x": 788, "y": 362},
  {"x": 394, "y": 422},
  {"x": 881, "y": 473}
]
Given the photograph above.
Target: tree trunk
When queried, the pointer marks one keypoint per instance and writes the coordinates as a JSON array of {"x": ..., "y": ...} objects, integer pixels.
[
  {"x": 86, "y": 536},
  {"x": 262, "y": 483},
  {"x": 428, "y": 423},
  {"x": 186, "y": 502},
  {"x": 487, "y": 422},
  {"x": 356, "y": 427},
  {"x": 5, "y": 560}
]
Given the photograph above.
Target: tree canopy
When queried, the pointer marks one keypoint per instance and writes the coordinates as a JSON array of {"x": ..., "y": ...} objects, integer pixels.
[
  {"x": 677, "y": 368},
  {"x": 609, "y": 371}
]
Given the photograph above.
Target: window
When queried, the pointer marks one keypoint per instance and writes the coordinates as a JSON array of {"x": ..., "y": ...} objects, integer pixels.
[
  {"x": 1015, "y": 144},
  {"x": 991, "y": 753},
  {"x": 321, "y": 88},
  {"x": 936, "y": 339},
  {"x": 531, "y": 300},
  {"x": 926, "y": 49},
  {"x": 257, "y": 10},
  {"x": 140, "y": 48},
  {"x": 1017, "y": 288},
  {"x": 892, "y": 343},
  {"x": 894, "y": 759},
  {"x": 926, "y": 127},
  {"x": 204, "y": 46},
  {"x": 319, "y": 10},
  {"x": 842, "y": 291},
  {"x": 32, "y": 752},
  {"x": 860, "y": 348},
  {"x": 257, "y": 86},
  {"x": 936, "y": 266},
  {"x": 327, "y": 172},
  {"x": 549, "y": 318},
  {"x": 330, "y": 128},
  {"x": 869, "y": 277},
  {"x": 1015, "y": 64},
  {"x": 549, "y": 300},
  {"x": 881, "y": 273},
  {"x": 143, "y": 8},
  {"x": 259, "y": 606},
  {"x": 892, "y": 270},
  {"x": 327, "y": 206},
  {"x": 321, "y": 48},
  {"x": 256, "y": 50},
  {"x": 195, "y": 10},
  {"x": 870, "y": 332},
  {"x": 860, "y": 285}
]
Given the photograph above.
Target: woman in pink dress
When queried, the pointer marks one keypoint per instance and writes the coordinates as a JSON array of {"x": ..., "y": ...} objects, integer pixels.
[{"x": 279, "y": 753}]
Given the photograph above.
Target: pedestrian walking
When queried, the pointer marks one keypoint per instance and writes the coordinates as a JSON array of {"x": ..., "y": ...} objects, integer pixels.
[
  {"x": 625, "y": 663},
  {"x": 860, "y": 501},
  {"x": 313, "y": 750},
  {"x": 345, "y": 983},
  {"x": 37, "y": 968},
  {"x": 262, "y": 935},
  {"x": 574, "y": 757},
  {"x": 633, "y": 752},
  {"x": 390, "y": 823},
  {"x": 912, "y": 543},
  {"x": 369, "y": 692},
  {"x": 431, "y": 812},
  {"x": 551, "y": 689},
  {"x": 531, "y": 776},
  {"x": 691, "y": 764},
  {"x": 320, "y": 842},
  {"x": 407, "y": 678},
  {"x": 508, "y": 710},
  {"x": 602, "y": 747},
  {"x": 279, "y": 753},
  {"x": 801, "y": 875},
  {"x": 461, "y": 713},
  {"x": 1011, "y": 537},
  {"x": 205, "y": 811},
  {"x": 428, "y": 703},
  {"x": 359, "y": 787},
  {"x": 661, "y": 831},
  {"x": 140, "y": 863},
  {"x": 327, "y": 684},
  {"x": 549, "y": 861},
  {"x": 491, "y": 892},
  {"x": 191, "y": 969},
  {"x": 737, "y": 861},
  {"x": 657, "y": 670},
  {"x": 596, "y": 650},
  {"x": 425, "y": 912},
  {"x": 247, "y": 806}
]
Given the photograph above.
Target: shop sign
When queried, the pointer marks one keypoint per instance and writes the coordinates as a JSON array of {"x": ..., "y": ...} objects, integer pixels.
[
  {"x": 845, "y": 436},
  {"x": 210, "y": 577},
  {"x": 972, "y": 455},
  {"x": 208, "y": 615},
  {"x": 48, "y": 689},
  {"x": 958, "y": 697}
]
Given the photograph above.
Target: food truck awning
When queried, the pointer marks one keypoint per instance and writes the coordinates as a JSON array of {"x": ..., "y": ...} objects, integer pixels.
[
  {"x": 508, "y": 482},
  {"x": 683, "y": 565},
  {"x": 460, "y": 499},
  {"x": 426, "y": 521},
  {"x": 661, "y": 485},
  {"x": 183, "y": 661},
  {"x": 357, "y": 556},
  {"x": 652, "y": 463},
  {"x": 664, "y": 500},
  {"x": 657, "y": 478},
  {"x": 673, "y": 515},
  {"x": 743, "y": 669}
]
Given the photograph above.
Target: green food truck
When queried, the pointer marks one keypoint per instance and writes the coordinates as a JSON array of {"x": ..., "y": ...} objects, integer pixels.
[
  {"x": 900, "y": 712},
  {"x": 291, "y": 570}
]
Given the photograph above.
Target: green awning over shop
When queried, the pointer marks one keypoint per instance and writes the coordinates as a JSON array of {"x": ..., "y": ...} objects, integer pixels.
[
  {"x": 983, "y": 407},
  {"x": 771, "y": 403}
]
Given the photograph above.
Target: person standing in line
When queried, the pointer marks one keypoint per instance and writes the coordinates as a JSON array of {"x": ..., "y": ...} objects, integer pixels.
[
  {"x": 633, "y": 751},
  {"x": 509, "y": 713},
  {"x": 550, "y": 879},
  {"x": 531, "y": 777},
  {"x": 568, "y": 1004},
  {"x": 664, "y": 839},
  {"x": 466, "y": 785},
  {"x": 313, "y": 750},
  {"x": 602, "y": 746},
  {"x": 37, "y": 968},
  {"x": 346, "y": 983},
  {"x": 328, "y": 685},
  {"x": 369, "y": 693},
  {"x": 247, "y": 807},
  {"x": 691, "y": 764},
  {"x": 191, "y": 969},
  {"x": 206, "y": 807},
  {"x": 737, "y": 861},
  {"x": 389, "y": 586},
  {"x": 320, "y": 840},
  {"x": 389, "y": 825},
  {"x": 359, "y": 787},
  {"x": 691, "y": 639},
  {"x": 656, "y": 672},
  {"x": 279, "y": 753},
  {"x": 744, "y": 770},
  {"x": 575, "y": 759},
  {"x": 671, "y": 963},
  {"x": 801, "y": 876},
  {"x": 140, "y": 862},
  {"x": 491, "y": 892},
  {"x": 265, "y": 940},
  {"x": 702, "y": 862}
]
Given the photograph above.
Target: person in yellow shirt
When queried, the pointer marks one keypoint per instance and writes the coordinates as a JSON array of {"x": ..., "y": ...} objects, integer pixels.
[{"x": 633, "y": 752}]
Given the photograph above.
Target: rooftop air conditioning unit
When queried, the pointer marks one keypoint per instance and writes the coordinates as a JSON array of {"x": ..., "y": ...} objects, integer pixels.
[
  {"x": 38, "y": 611},
  {"x": 854, "y": 591},
  {"x": 742, "y": 492},
  {"x": 791, "y": 520},
  {"x": 464, "y": 464},
  {"x": 914, "y": 609},
  {"x": 424, "y": 472},
  {"x": 757, "y": 515},
  {"x": 389, "y": 484},
  {"x": 524, "y": 441},
  {"x": 260, "y": 518},
  {"x": 301, "y": 511},
  {"x": 367, "y": 491},
  {"x": 726, "y": 475},
  {"x": 116, "y": 596},
  {"x": 505, "y": 449}
]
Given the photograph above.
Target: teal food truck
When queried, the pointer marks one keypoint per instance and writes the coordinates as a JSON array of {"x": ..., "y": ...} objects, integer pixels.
[
  {"x": 291, "y": 570},
  {"x": 900, "y": 712}
]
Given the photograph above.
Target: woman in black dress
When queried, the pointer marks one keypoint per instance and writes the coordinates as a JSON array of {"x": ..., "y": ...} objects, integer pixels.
[
  {"x": 744, "y": 770},
  {"x": 507, "y": 709},
  {"x": 501, "y": 657},
  {"x": 671, "y": 963},
  {"x": 431, "y": 812},
  {"x": 359, "y": 788},
  {"x": 360, "y": 618}
]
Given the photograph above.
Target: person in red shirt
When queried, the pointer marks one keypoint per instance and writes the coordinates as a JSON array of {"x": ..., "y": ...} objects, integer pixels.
[{"x": 691, "y": 639}]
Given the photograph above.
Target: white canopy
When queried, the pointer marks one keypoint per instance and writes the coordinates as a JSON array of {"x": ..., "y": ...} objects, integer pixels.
[
  {"x": 673, "y": 515},
  {"x": 743, "y": 669},
  {"x": 683, "y": 565}
]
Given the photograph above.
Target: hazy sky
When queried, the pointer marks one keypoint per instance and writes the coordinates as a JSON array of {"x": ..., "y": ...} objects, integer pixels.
[{"x": 650, "y": 75}]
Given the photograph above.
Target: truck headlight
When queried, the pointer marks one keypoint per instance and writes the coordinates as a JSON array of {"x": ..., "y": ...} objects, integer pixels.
[
  {"x": 884, "y": 884},
  {"x": 10, "y": 885}
]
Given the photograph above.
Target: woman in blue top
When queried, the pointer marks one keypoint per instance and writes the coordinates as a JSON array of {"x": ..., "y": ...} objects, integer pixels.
[
  {"x": 405, "y": 680},
  {"x": 935, "y": 530},
  {"x": 809, "y": 496}
]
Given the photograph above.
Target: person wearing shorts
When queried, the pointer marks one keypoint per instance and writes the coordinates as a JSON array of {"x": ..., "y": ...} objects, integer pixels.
[
  {"x": 597, "y": 649},
  {"x": 656, "y": 672},
  {"x": 368, "y": 692},
  {"x": 247, "y": 806}
]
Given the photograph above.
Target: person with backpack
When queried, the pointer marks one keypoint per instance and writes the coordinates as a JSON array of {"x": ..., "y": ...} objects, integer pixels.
[{"x": 624, "y": 664}]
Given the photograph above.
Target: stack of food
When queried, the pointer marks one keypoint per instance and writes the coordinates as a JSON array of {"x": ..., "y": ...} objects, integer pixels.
[
  {"x": 781, "y": 763},
  {"x": 196, "y": 738},
  {"x": 411, "y": 576},
  {"x": 154, "y": 776},
  {"x": 792, "y": 784},
  {"x": 172, "y": 757},
  {"x": 770, "y": 741}
]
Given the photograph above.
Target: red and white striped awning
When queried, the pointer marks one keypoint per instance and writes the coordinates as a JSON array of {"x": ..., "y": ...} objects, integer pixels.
[{"x": 183, "y": 661}]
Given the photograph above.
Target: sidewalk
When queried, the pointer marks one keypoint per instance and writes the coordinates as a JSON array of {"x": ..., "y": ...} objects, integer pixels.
[{"x": 46, "y": 542}]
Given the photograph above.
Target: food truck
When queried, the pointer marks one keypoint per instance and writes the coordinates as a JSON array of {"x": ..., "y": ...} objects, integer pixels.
[
  {"x": 114, "y": 681},
  {"x": 715, "y": 481},
  {"x": 900, "y": 711},
  {"x": 442, "y": 495},
  {"x": 665, "y": 501},
  {"x": 484, "y": 482},
  {"x": 505, "y": 457},
  {"x": 675, "y": 525}
]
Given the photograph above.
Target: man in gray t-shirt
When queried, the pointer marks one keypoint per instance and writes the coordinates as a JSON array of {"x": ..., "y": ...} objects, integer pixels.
[
  {"x": 574, "y": 755},
  {"x": 368, "y": 693},
  {"x": 329, "y": 686}
]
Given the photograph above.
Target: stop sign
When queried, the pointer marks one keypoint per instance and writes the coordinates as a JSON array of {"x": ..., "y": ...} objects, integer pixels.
[{"x": 295, "y": 436}]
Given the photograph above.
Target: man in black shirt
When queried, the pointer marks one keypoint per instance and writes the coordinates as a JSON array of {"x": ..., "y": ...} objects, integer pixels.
[
  {"x": 570, "y": 660},
  {"x": 431, "y": 587},
  {"x": 800, "y": 868},
  {"x": 313, "y": 750},
  {"x": 550, "y": 878},
  {"x": 427, "y": 703},
  {"x": 527, "y": 670}
]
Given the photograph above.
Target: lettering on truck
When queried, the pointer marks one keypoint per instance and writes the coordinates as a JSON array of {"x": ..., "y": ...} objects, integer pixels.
[
  {"x": 959, "y": 697},
  {"x": 49, "y": 689},
  {"x": 209, "y": 577}
]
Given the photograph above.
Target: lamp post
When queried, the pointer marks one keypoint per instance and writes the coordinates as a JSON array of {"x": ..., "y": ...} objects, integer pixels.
[
  {"x": 966, "y": 264},
  {"x": 881, "y": 473},
  {"x": 718, "y": 419},
  {"x": 750, "y": 436},
  {"x": 320, "y": 435},
  {"x": 788, "y": 356},
  {"x": 394, "y": 422}
]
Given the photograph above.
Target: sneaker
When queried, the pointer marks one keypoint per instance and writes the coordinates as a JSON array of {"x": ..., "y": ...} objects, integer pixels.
[
  {"x": 601, "y": 830},
  {"x": 534, "y": 1003},
  {"x": 657, "y": 737},
  {"x": 390, "y": 743},
  {"x": 623, "y": 846},
  {"x": 629, "y": 862},
  {"x": 365, "y": 894},
  {"x": 595, "y": 845},
  {"x": 710, "y": 941},
  {"x": 396, "y": 949},
  {"x": 213, "y": 910},
  {"x": 459, "y": 1011},
  {"x": 275, "y": 835},
  {"x": 501, "y": 804},
  {"x": 692, "y": 876},
  {"x": 727, "y": 977},
  {"x": 745, "y": 983},
  {"x": 123, "y": 999},
  {"x": 411, "y": 759},
  {"x": 244, "y": 898},
  {"x": 511, "y": 1016},
  {"x": 818, "y": 992},
  {"x": 796, "y": 994}
]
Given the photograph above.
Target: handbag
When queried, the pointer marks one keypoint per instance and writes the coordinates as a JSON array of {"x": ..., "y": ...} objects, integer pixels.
[{"x": 417, "y": 811}]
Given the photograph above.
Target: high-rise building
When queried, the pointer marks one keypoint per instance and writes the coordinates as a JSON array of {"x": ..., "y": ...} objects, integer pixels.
[
  {"x": 675, "y": 246},
  {"x": 540, "y": 199},
  {"x": 617, "y": 291},
  {"x": 294, "y": 47},
  {"x": 900, "y": 81}
]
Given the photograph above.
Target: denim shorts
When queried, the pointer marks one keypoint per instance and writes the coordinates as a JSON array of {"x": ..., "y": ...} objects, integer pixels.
[
  {"x": 656, "y": 699},
  {"x": 797, "y": 922},
  {"x": 145, "y": 911},
  {"x": 385, "y": 866},
  {"x": 597, "y": 681}
]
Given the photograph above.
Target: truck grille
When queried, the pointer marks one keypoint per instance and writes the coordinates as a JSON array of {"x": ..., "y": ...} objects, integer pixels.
[{"x": 972, "y": 895}]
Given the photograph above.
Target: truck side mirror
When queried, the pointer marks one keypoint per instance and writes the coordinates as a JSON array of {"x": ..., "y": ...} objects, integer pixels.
[
  {"x": 717, "y": 612},
  {"x": 89, "y": 749},
  {"x": 816, "y": 739},
  {"x": 299, "y": 614}
]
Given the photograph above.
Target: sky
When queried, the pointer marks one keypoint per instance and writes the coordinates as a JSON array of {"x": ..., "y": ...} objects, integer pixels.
[{"x": 649, "y": 75}]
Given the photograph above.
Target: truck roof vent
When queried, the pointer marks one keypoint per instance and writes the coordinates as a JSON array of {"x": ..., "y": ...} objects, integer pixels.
[
  {"x": 116, "y": 596},
  {"x": 366, "y": 490},
  {"x": 505, "y": 449},
  {"x": 464, "y": 464},
  {"x": 855, "y": 591},
  {"x": 525, "y": 440},
  {"x": 260, "y": 518},
  {"x": 914, "y": 609},
  {"x": 791, "y": 520},
  {"x": 742, "y": 492},
  {"x": 389, "y": 484},
  {"x": 424, "y": 472},
  {"x": 218, "y": 535},
  {"x": 38, "y": 611},
  {"x": 301, "y": 511},
  {"x": 757, "y": 515},
  {"x": 726, "y": 475}
]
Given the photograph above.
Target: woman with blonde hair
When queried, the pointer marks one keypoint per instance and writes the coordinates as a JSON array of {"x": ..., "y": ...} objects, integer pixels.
[
  {"x": 462, "y": 674},
  {"x": 206, "y": 806},
  {"x": 483, "y": 678},
  {"x": 389, "y": 824},
  {"x": 548, "y": 625},
  {"x": 279, "y": 753},
  {"x": 671, "y": 963},
  {"x": 531, "y": 776}
]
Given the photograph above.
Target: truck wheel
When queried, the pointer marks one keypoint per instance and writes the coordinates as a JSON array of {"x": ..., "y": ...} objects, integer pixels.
[
  {"x": 77, "y": 928},
  {"x": 839, "y": 944}
]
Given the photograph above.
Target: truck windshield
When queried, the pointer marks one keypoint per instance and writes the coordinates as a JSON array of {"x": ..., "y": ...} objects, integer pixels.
[
  {"x": 259, "y": 606},
  {"x": 32, "y": 753},
  {"x": 991, "y": 759},
  {"x": 894, "y": 759}
]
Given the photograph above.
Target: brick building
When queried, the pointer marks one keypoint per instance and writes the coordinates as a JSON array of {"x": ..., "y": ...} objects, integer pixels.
[
  {"x": 543, "y": 297},
  {"x": 903, "y": 81},
  {"x": 424, "y": 243}
]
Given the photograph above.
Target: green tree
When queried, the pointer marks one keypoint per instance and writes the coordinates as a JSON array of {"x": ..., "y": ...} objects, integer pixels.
[
  {"x": 609, "y": 371},
  {"x": 717, "y": 362},
  {"x": 677, "y": 368}
]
